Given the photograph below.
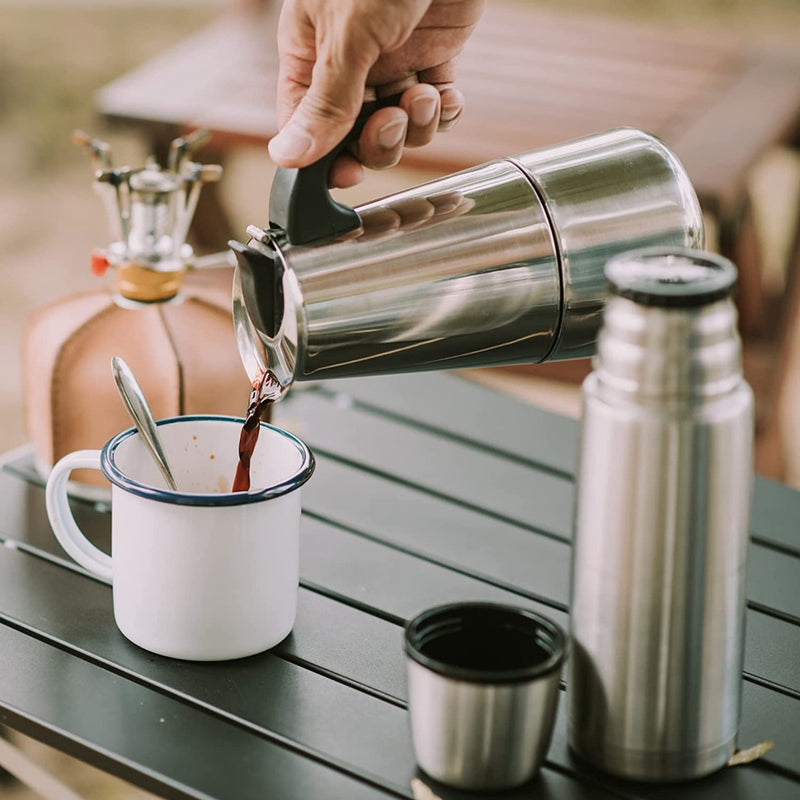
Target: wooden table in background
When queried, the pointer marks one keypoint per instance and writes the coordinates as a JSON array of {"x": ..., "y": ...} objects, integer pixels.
[{"x": 532, "y": 78}]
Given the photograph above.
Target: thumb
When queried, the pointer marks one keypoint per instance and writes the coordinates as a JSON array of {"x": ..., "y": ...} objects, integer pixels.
[{"x": 325, "y": 113}]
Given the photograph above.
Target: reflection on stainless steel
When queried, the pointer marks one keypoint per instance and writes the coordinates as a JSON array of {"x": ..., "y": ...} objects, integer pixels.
[
  {"x": 471, "y": 307},
  {"x": 483, "y": 689},
  {"x": 661, "y": 533},
  {"x": 604, "y": 195},
  {"x": 437, "y": 292},
  {"x": 280, "y": 357},
  {"x": 499, "y": 264},
  {"x": 139, "y": 410}
]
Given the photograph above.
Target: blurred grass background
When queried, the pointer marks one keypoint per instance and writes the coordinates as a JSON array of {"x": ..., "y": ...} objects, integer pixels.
[{"x": 55, "y": 54}]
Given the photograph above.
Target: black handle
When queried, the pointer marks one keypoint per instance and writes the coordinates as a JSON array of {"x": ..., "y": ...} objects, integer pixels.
[{"x": 300, "y": 203}]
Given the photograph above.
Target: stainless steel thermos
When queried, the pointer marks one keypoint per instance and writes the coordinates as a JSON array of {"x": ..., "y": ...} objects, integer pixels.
[
  {"x": 661, "y": 523},
  {"x": 499, "y": 264}
]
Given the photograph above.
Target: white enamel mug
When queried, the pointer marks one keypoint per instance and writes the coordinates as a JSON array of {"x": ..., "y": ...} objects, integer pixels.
[{"x": 203, "y": 573}]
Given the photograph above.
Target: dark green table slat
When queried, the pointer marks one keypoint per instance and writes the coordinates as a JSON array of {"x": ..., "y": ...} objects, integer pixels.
[
  {"x": 772, "y": 580},
  {"x": 467, "y": 410},
  {"x": 483, "y": 481},
  {"x": 768, "y": 715},
  {"x": 24, "y": 518},
  {"x": 346, "y": 726},
  {"x": 776, "y": 510},
  {"x": 398, "y": 584},
  {"x": 244, "y": 690},
  {"x": 497, "y": 550},
  {"x": 495, "y": 547},
  {"x": 751, "y": 782},
  {"x": 512, "y": 558},
  {"x": 437, "y": 529},
  {"x": 468, "y": 541},
  {"x": 457, "y": 470},
  {"x": 324, "y": 623},
  {"x": 429, "y": 489},
  {"x": 262, "y": 694},
  {"x": 772, "y": 650},
  {"x": 501, "y": 422},
  {"x": 95, "y": 714},
  {"x": 331, "y": 636}
]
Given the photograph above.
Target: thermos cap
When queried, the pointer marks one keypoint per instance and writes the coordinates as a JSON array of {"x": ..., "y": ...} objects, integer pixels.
[
  {"x": 671, "y": 277},
  {"x": 488, "y": 643}
]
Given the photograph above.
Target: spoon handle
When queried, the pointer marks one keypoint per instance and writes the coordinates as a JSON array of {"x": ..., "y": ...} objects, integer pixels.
[{"x": 136, "y": 405}]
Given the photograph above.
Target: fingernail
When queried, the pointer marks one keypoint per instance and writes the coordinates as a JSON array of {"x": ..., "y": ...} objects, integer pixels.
[
  {"x": 449, "y": 113},
  {"x": 422, "y": 111},
  {"x": 291, "y": 143},
  {"x": 392, "y": 134}
]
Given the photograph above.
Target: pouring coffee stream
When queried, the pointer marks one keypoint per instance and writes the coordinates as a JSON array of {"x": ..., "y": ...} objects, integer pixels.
[{"x": 262, "y": 395}]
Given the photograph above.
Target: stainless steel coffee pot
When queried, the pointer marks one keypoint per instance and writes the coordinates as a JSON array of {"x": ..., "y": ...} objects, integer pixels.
[{"x": 499, "y": 264}]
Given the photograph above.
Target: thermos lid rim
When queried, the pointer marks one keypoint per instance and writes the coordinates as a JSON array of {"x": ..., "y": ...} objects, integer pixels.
[
  {"x": 671, "y": 277},
  {"x": 456, "y": 641}
]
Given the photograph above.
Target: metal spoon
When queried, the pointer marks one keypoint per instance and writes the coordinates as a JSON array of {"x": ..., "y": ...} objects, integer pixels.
[{"x": 136, "y": 405}]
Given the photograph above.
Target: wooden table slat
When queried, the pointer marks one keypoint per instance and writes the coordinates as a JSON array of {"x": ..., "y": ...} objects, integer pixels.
[
  {"x": 565, "y": 31},
  {"x": 770, "y": 90},
  {"x": 682, "y": 85}
]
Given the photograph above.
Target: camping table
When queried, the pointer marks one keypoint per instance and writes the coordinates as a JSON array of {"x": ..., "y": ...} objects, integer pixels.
[{"x": 429, "y": 489}]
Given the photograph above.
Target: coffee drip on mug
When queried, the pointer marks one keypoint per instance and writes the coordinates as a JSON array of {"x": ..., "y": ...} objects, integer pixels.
[{"x": 498, "y": 264}]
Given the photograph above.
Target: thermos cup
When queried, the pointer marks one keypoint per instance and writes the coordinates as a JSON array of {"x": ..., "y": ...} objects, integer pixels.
[{"x": 483, "y": 687}]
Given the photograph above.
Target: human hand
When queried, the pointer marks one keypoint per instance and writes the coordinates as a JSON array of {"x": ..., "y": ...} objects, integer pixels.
[{"x": 334, "y": 55}]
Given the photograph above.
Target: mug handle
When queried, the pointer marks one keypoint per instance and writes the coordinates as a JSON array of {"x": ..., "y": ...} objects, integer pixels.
[{"x": 69, "y": 535}]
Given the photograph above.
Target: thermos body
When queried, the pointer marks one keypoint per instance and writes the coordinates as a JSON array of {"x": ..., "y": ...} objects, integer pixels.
[
  {"x": 661, "y": 534},
  {"x": 498, "y": 264}
]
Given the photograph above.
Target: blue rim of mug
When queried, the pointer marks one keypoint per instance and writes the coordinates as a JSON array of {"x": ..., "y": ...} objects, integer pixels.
[
  {"x": 119, "y": 478},
  {"x": 441, "y": 620}
]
